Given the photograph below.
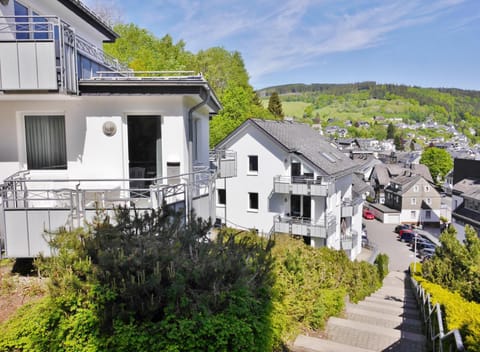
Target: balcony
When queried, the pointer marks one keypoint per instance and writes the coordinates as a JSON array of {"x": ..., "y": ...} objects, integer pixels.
[
  {"x": 323, "y": 228},
  {"x": 302, "y": 185},
  {"x": 43, "y": 53},
  {"x": 225, "y": 163},
  {"x": 350, "y": 207},
  {"x": 349, "y": 240},
  {"x": 31, "y": 207}
]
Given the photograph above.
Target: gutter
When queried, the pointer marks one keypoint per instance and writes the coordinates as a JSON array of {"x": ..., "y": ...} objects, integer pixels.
[{"x": 190, "y": 147}]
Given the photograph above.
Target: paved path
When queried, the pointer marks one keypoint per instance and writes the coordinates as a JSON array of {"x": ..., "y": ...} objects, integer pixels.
[{"x": 388, "y": 320}]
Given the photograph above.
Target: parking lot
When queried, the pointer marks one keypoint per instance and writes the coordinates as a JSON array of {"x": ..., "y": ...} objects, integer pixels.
[{"x": 384, "y": 237}]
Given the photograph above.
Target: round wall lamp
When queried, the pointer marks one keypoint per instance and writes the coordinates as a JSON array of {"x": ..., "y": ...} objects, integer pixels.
[{"x": 109, "y": 128}]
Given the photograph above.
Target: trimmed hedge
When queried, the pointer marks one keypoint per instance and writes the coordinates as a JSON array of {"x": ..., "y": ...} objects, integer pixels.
[{"x": 459, "y": 313}]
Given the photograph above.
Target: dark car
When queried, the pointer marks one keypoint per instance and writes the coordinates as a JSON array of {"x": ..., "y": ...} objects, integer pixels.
[
  {"x": 406, "y": 235},
  {"x": 365, "y": 241},
  {"x": 400, "y": 227}
]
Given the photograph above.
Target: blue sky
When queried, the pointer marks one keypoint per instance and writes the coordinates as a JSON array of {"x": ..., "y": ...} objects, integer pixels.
[{"x": 429, "y": 43}]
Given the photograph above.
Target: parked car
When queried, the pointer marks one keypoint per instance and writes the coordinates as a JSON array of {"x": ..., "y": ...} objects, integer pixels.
[
  {"x": 406, "y": 235},
  {"x": 427, "y": 252},
  {"x": 367, "y": 214},
  {"x": 400, "y": 227}
]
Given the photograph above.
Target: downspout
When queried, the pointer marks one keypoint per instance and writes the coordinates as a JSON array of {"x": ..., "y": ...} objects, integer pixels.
[{"x": 190, "y": 150}]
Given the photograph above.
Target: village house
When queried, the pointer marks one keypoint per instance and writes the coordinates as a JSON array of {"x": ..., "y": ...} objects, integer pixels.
[
  {"x": 80, "y": 131},
  {"x": 289, "y": 179}
]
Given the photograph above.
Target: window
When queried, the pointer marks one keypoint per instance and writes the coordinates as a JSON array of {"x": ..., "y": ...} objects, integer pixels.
[
  {"x": 30, "y": 25},
  {"x": 45, "y": 142},
  {"x": 429, "y": 201},
  {"x": 427, "y": 188},
  {"x": 253, "y": 163},
  {"x": 413, "y": 214},
  {"x": 428, "y": 214},
  {"x": 253, "y": 201},
  {"x": 222, "y": 196},
  {"x": 415, "y": 188},
  {"x": 414, "y": 201}
]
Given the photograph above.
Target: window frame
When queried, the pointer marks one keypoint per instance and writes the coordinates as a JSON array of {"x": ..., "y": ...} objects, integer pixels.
[
  {"x": 252, "y": 161},
  {"x": 250, "y": 200},
  {"x": 413, "y": 201},
  {"x": 220, "y": 197},
  {"x": 25, "y": 147}
]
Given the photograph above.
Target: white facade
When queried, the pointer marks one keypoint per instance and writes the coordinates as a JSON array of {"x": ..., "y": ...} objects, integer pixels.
[
  {"x": 73, "y": 139},
  {"x": 320, "y": 208}
]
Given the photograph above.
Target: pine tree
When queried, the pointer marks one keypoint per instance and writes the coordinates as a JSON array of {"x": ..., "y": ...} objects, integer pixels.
[{"x": 275, "y": 106}]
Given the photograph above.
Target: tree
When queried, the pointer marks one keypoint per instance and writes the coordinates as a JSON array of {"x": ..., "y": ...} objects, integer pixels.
[
  {"x": 398, "y": 141},
  {"x": 438, "y": 161},
  {"x": 275, "y": 106},
  {"x": 390, "y": 131},
  {"x": 456, "y": 266}
]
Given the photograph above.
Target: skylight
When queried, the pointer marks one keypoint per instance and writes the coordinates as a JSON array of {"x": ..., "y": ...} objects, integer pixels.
[{"x": 329, "y": 157}]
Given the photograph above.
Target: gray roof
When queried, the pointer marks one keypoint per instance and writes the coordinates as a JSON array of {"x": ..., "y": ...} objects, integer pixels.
[
  {"x": 359, "y": 186},
  {"x": 386, "y": 172},
  {"x": 406, "y": 181},
  {"x": 468, "y": 186},
  {"x": 301, "y": 139}
]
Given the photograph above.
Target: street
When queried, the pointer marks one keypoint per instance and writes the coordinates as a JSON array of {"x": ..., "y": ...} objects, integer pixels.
[{"x": 382, "y": 235}]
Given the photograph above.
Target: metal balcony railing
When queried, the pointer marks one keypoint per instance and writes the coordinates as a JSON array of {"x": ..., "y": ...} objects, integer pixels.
[
  {"x": 323, "y": 228},
  {"x": 304, "y": 185},
  {"x": 49, "y": 50},
  {"x": 224, "y": 162}
]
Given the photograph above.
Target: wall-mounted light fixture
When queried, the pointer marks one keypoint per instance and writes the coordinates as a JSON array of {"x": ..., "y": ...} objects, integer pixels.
[{"x": 109, "y": 128}]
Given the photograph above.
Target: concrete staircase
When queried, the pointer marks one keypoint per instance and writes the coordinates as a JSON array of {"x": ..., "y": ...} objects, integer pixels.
[{"x": 388, "y": 320}]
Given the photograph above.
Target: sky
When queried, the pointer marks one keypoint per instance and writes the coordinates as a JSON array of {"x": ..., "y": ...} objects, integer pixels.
[{"x": 426, "y": 43}]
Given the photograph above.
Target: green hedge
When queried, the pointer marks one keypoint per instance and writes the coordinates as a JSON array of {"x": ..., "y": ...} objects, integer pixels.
[{"x": 459, "y": 313}]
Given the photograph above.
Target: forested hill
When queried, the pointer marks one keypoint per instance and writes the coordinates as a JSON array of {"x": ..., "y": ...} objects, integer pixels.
[{"x": 318, "y": 103}]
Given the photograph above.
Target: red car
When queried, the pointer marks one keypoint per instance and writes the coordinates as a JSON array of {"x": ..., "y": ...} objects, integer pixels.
[{"x": 367, "y": 214}]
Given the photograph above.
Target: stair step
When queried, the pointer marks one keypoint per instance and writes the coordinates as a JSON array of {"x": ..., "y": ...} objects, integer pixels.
[
  {"x": 361, "y": 314},
  {"x": 381, "y": 308},
  {"x": 401, "y": 293},
  {"x": 313, "y": 344},
  {"x": 373, "y": 337},
  {"x": 392, "y": 301},
  {"x": 402, "y": 297}
]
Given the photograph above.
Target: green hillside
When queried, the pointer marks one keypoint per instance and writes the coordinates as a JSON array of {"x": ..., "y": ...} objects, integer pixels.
[{"x": 338, "y": 103}]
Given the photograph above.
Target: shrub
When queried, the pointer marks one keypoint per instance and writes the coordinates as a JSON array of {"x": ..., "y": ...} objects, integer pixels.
[
  {"x": 381, "y": 262},
  {"x": 459, "y": 313}
]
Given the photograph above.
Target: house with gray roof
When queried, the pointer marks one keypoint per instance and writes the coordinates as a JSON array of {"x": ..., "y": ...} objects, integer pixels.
[
  {"x": 289, "y": 179},
  {"x": 415, "y": 198},
  {"x": 466, "y": 203}
]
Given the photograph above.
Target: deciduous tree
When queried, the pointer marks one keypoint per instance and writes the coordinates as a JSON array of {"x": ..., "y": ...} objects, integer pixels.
[{"x": 438, "y": 161}]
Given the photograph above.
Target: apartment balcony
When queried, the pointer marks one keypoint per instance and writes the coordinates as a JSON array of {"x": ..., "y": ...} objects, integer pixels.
[
  {"x": 43, "y": 53},
  {"x": 350, "y": 207},
  {"x": 302, "y": 185},
  {"x": 323, "y": 228},
  {"x": 31, "y": 206},
  {"x": 224, "y": 162},
  {"x": 349, "y": 240}
]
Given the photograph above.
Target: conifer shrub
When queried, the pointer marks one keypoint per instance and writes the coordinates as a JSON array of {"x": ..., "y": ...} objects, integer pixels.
[{"x": 458, "y": 312}]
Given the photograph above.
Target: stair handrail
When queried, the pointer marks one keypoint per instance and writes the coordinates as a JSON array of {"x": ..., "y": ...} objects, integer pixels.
[{"x": 433, "y": 320}]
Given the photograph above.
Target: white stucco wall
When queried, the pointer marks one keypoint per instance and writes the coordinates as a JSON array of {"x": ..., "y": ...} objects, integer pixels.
[
  {"x": 91, "y": 154},
  {"x": 270, "y": 163}
]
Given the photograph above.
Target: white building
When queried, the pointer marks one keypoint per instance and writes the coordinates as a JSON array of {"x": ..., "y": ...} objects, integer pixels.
[
  {"x": 289, "y": 179},
  {"x": 77, "y": 127}
]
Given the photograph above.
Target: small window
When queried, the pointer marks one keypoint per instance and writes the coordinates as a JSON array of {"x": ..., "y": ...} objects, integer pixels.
[
  {"x": 415, "y": 188},
  {"x": 222, "y": 196},
  {"x": 429, "y": 201},
  {"x": 428, "y": 214},
  {"x": 45, "y": 142},
  {"x": 427, "y": 188},
  {"x": 253, "y": 201},
  {"x": 253, "y": 163},
  {"x": 414, "y": 201},
  {"x": 413, "y": 214}
]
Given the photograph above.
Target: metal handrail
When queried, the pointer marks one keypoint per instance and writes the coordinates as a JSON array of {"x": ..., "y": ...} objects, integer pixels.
[
  {"x": 433, "y": 319},
  {"x": 322, "y": 181}
]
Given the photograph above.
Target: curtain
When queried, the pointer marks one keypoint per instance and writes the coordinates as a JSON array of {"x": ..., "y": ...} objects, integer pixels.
[{"x": 45, "y": 142}]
